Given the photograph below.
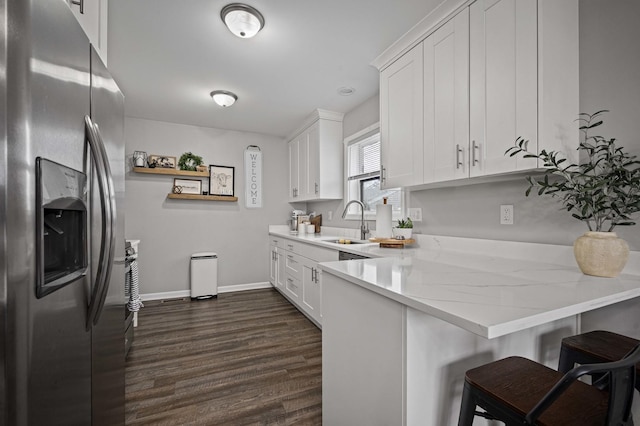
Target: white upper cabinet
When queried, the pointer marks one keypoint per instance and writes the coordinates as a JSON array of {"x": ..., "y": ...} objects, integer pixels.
[
  {"x": 294, "y": 166},
  {"x": 503, "y": 83},
  {"x": 492, "y": 71},
  {"x": 401, "y": 121},
  {"x": 315, "y": 159},
  {"x": 446, "y": 101},
  {"x": 92, "y": 16}
]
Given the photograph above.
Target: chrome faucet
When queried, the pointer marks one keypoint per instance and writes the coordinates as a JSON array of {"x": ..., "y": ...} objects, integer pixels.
[{"x": 363, "y": 227}]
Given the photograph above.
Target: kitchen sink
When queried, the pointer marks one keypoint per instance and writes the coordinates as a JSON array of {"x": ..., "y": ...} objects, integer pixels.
[{"x": 348, "y": 241}]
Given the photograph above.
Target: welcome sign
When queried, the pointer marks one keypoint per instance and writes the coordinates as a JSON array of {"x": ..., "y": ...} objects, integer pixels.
[{"x": 253, "y": 177}]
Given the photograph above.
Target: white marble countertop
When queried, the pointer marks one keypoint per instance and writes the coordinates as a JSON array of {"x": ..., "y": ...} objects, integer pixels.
[{"x": 490, "y": 295}]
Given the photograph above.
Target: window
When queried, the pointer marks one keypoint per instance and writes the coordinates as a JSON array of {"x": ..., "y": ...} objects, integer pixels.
[{"x": 363, "y": 175}]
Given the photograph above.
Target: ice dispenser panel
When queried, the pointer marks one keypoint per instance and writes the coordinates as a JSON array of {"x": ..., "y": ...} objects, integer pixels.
[{"x": 61, "y": 226}]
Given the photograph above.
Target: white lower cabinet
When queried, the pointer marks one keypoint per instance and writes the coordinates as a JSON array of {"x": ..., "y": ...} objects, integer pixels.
[
  {"x": 293, "y": 270},
  {"x": 298, "y": 277},
  {"x": 281, "y": 275},
  {"x": 273, "y": 262},
  {"x": 311, "y": 289}
]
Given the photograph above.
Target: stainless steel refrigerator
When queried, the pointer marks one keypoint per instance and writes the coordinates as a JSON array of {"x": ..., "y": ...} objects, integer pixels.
[{"x": 62, "y": 304}]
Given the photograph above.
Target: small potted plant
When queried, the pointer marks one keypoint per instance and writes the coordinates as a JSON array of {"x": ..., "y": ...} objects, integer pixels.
[
  {"x": 404, "y": 229},
  {"x": 603, "y": 191},
  {"x": 189, "y": 161}
]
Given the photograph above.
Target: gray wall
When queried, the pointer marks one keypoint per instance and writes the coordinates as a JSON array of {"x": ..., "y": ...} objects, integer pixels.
[
  {"x": 171, "y": 230},
  {"x": 609, "y": 79}
]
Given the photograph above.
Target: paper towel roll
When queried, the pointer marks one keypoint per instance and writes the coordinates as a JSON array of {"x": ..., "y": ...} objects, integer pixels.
[{"x": 383, "y": 221}]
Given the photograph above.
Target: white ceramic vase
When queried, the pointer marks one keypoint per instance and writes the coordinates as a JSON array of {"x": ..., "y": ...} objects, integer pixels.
[
  {"x": 405, "y": 232},
  {"x": 601, "y": 254}
]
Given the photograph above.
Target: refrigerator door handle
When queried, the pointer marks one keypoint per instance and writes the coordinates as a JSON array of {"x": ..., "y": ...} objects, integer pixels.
[
  {"x": 111, "y": 202},
  {"x": 103, "y": 266}
]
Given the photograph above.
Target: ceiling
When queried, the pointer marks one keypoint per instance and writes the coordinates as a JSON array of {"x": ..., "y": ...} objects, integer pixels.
[{"x": 168, "y": 55}]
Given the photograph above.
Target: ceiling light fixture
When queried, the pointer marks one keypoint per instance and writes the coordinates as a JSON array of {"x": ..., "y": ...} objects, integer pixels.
[
  {"x": 224, "y": 98},
  {"x": 242, "y": 20},
  {"x": 346, "y": 91}
]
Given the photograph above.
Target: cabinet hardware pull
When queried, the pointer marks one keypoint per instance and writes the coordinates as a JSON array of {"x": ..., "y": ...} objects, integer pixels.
[
  {"x": 79, "y": 3},
  {"x": 458, "y": 152},
  {"x": 474, "y": 158},
  {"x": 290, "y": 246},
  {"x": 317, "y": 188},
  {"x": 383, "y": 178}
]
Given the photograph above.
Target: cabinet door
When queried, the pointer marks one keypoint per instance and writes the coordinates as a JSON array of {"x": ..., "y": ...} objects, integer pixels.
[
  {"x": 273, "y": 266},
  {"x": 503, "y": 83},
  {"x": 312, "y": 189},
  {"x": 281, "y": 276},
  {"x": 446, "y": 101},
  {"x": 294, "y": 182},
  {"x": 292, "y": 289},
  {"x": 303, "y": 169},
  {"x": 93, "y": 21},
  {"x": 401, "y": 121},
  {"x": 311, "y": 289}
]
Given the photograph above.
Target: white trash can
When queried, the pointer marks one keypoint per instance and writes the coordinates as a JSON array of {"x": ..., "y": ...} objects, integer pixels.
[{"x": 204, "y": 275}]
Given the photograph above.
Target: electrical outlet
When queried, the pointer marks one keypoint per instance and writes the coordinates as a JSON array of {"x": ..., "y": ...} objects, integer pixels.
[
  {"x": 415, "y": 214},
  {"x": 330, "y": 214},
  {"x": 506, "y": 214}
]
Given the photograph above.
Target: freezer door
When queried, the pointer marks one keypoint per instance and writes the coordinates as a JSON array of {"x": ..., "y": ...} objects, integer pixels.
[
  {"x": 107, "y": 345},
  {"x": 48, "y": 361}
]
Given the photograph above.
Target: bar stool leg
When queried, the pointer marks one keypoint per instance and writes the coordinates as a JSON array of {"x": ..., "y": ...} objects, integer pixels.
[{"x": 467, "y": 407}]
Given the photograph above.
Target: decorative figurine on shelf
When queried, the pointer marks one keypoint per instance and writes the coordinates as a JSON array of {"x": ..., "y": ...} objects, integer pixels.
[
  {"x": 139, "y": 159},
  {"x": 189, "y": 161}
]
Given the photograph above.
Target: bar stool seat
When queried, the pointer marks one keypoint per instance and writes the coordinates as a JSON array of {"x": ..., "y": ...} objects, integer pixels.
[
  {"x": 518, "y": 391},
  {"x": 594, "y": 347},
  {"x": 509, "y": 388}
]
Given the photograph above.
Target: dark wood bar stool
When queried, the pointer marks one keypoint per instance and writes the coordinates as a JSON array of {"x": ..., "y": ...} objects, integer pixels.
[
  {"x": 593, "y": 347},
  {"x": 519, "y": 391}
]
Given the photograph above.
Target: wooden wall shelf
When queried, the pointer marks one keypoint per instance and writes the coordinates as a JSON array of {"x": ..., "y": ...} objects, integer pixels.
[
  {"x": 171, "y": 172},
  {"x": 201, "y": 197}
]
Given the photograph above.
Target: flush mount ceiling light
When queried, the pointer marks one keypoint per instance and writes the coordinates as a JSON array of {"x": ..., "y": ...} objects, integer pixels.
[
  {"x": 224, "y": 98},
  {"x": 242, "y": 20}
]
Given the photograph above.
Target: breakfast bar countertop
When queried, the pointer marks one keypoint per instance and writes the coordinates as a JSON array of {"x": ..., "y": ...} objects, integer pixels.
[{"x": 490, "y": 296}]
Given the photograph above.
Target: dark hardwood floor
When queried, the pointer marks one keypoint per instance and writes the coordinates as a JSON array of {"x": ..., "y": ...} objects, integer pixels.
[{"x": 246, "y": 358}]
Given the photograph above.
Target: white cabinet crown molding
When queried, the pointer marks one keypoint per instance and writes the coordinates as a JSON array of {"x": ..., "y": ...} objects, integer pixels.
[
  {"x": 430, "y": 23},
  {"x": 315, "y": 116}
]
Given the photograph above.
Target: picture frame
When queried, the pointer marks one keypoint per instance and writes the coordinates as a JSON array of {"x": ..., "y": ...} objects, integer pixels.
[
  {"x": 162, "y": 161},
  {"x": 188, "y": 186},
  {"x": 222, "y": 180}
]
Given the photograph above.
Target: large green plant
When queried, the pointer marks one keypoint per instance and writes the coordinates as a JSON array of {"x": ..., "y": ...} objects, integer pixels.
[{"x": 603, "y": 189}]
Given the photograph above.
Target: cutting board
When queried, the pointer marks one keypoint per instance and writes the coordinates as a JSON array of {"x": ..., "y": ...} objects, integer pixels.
[
  {"x": 392, "y": 242},
  {"x": 317, "y": 221}
]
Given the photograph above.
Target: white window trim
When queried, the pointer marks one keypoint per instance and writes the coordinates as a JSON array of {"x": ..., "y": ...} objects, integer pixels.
[{"x": 362, "y": 134}]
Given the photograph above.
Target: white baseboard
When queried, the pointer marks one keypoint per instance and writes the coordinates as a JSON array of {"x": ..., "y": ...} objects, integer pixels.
[
  {"x": 166, "y": 295},
  {"x": 244, "y": 287},
  {"x": 187, "y": 293}
]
